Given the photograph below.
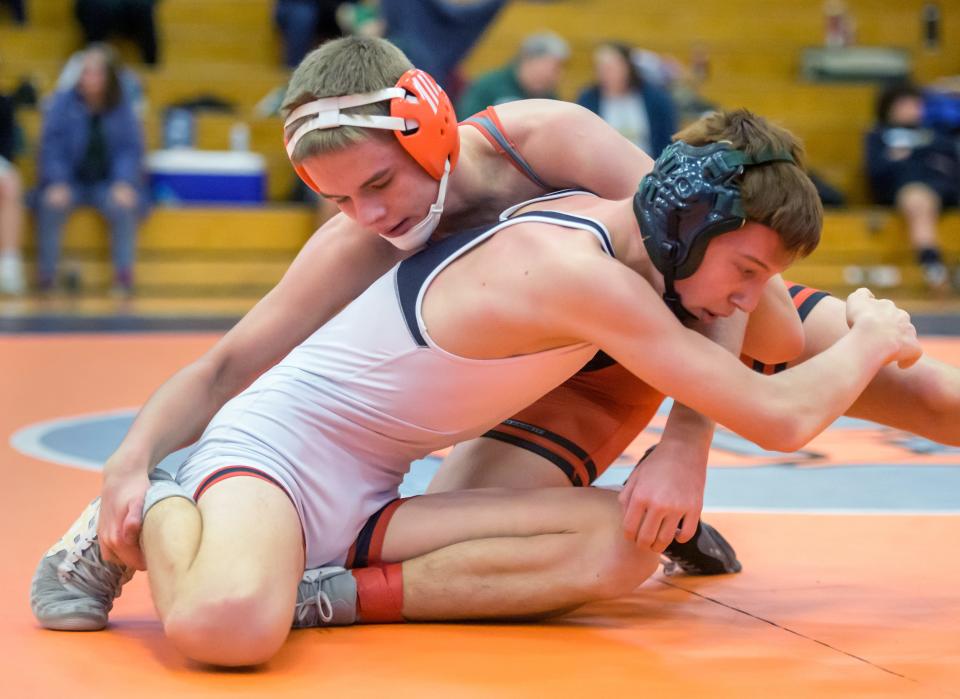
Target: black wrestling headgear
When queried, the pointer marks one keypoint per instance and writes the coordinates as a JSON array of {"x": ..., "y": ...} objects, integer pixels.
[{"x": 691, "y": 196}]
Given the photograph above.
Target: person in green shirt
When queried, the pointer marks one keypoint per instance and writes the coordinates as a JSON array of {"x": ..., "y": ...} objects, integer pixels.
[{"x": 535, "y": 72}]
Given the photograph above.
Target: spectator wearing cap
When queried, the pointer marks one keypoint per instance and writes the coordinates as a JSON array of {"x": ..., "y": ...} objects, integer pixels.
[
  {"x": 642, "y": 112},
  {"x": 535, "y": 72}
]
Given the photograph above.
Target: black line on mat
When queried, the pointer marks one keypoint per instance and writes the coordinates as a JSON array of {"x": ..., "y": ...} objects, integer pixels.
[{"x": 800, "y": 635}]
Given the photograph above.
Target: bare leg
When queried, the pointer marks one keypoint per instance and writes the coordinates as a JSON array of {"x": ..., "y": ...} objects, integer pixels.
[
  {"x": 487, "y": 463},
  {"x": 920, "y": 207},
  {"x": 11, "y": 212},
  {"x": 11, "y": 225},
  {"x": 924, "y": 399},
  {"x": 512, "y": 553},
  {"x": 224, "y": 574}
]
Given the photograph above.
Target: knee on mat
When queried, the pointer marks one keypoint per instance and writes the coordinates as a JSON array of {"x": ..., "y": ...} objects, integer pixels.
[
  {"x": 232, "y": 630},
  {"x": 623, "y": 571},
  {"x": 617, "y": 566}
]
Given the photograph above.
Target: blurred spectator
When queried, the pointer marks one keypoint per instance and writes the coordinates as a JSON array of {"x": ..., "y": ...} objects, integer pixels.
[
  {"x": 101, "y": 19},
  {"x": 436, "y": 35},
  {"x": 916, "y": 169},
  {"x": 304, "y": 24},
  {"x": 90, "y": 153},
  {"x": 535, "y": 72},
  {"x": 130, "y": 83},
  {"x": 11, "y": 205},
  {"x": 641, "y": 111},
  {"x": 17, "y": 10}
]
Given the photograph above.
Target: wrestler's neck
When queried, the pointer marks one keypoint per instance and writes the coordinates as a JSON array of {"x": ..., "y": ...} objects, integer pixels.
[
  {"x": 627, "y": 238},
  {"x": 481, "y": 186},
  {"x": 459, "y": 199}
]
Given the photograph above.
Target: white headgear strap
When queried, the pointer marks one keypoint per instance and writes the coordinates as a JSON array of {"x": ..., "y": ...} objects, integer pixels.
[
  {"x": 326, "y": 114},
  {"x": 419, "y": 234}
]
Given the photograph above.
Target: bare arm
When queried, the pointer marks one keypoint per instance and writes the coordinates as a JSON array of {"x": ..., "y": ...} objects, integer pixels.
[
  {"x": 338, "y": 262},
  {"x": 663, "y": 497},
  {"x": 570, "y": 146},
  {"x": 782, "y": 412},
  {"x": 597, "y": 158}
]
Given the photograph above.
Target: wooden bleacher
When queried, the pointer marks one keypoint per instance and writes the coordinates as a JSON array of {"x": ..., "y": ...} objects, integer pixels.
[
  {"x": 229, "y": 48},
  {"x": 244, "y": 251},
  {"x": 194, "y": 251}
]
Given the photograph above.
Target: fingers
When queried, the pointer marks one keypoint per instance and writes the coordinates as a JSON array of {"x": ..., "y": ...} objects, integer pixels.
[
  {"x": 107, "y": 552},
  {"x": 120, "y": 541},
  {"x": 627, "y": 491},
  {"x": 632, "y": 518},
  {"x": 132, "y": 554},
  {"x": 910, "y": 355},
  {"x": 688, "y": 526},
  {"x": 667, "y": 533},
  {"x": 649, "y": 529}
]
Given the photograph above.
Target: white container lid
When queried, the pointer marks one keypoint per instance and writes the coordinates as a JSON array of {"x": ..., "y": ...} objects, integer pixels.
[{"x": 189, "y": 161}]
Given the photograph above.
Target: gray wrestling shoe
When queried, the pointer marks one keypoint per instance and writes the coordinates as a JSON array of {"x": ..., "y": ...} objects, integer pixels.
[
  {"x": 707, "y": 553},
  {"x": 74, "y": 588},
  {"x": 326, "y": 597}
]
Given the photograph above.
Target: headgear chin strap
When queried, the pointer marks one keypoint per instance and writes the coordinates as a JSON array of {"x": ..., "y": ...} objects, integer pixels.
[
  {"x": 418, "y": 235},
  {"x": 421, "y": 117},
  {"x": 691, "y": 196}
]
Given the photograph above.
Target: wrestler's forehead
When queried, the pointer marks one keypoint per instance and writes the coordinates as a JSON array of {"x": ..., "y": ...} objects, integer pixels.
[
  {"x": 757, "y": 241},
  {"x": 356, "y": 162}
]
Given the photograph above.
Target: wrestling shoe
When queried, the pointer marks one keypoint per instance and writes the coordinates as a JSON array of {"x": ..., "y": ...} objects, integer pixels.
[
  {"x": 326, "y": 597},
  {"x": 74, "y": 588},
  {"x": 707, "y": 553}
]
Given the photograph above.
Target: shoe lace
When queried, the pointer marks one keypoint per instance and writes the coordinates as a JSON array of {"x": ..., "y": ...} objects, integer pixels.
[
  {"x": 83, "y": 567},
  {"x": 315, "y": 609}
]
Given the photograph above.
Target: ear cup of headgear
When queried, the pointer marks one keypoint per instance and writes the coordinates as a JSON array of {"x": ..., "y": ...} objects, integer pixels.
[
  {"x": 690, "y": 197},
  {"x": 435, "y": 139}
]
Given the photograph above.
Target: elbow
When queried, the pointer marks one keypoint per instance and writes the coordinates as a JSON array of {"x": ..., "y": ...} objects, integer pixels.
[
  {"x": 215, "y": 371},
  {"x": 784, "y": 430},
  {"x": 790, "y": 439}
]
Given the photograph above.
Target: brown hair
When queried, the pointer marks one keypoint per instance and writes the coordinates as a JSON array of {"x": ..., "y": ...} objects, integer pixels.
[
  {"x": 779, "y": 195},
  {"x": 347, "y": 66},
  {"x": 113, "y": 90}
]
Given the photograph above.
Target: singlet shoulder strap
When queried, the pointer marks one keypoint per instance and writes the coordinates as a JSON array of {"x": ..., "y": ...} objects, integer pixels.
[
  {"x": 414, "y": 275},
  {"x": 561, "y": 218},
  {"x": 559, "y": 194},
  {"x": 488, "y": 123}
]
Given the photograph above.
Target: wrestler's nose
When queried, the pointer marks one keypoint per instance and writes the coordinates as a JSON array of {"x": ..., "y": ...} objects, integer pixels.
[{"x": 370, "y": 212}]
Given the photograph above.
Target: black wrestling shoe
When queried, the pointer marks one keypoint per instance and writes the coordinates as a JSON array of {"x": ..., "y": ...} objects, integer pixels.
[{"x": 707, "y": 553}]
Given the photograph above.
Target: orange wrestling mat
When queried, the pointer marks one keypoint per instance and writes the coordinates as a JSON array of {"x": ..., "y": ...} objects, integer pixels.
[{"x": 863, "y": 602}]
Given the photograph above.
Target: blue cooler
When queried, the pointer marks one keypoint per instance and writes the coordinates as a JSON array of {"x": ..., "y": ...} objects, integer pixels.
[{"x": 184, "y": 175}]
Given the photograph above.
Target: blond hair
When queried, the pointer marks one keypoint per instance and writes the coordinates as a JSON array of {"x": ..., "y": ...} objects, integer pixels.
[
  {"x": 779, "y": 194},
  {"x": 347, "y": 66}
]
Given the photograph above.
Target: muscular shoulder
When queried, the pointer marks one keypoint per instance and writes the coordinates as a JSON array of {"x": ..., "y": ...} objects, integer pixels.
[
  {"x": 570, "y": 146},
  {"x": 527, "y": 120},
  {"x": 543, "y": 263}
]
